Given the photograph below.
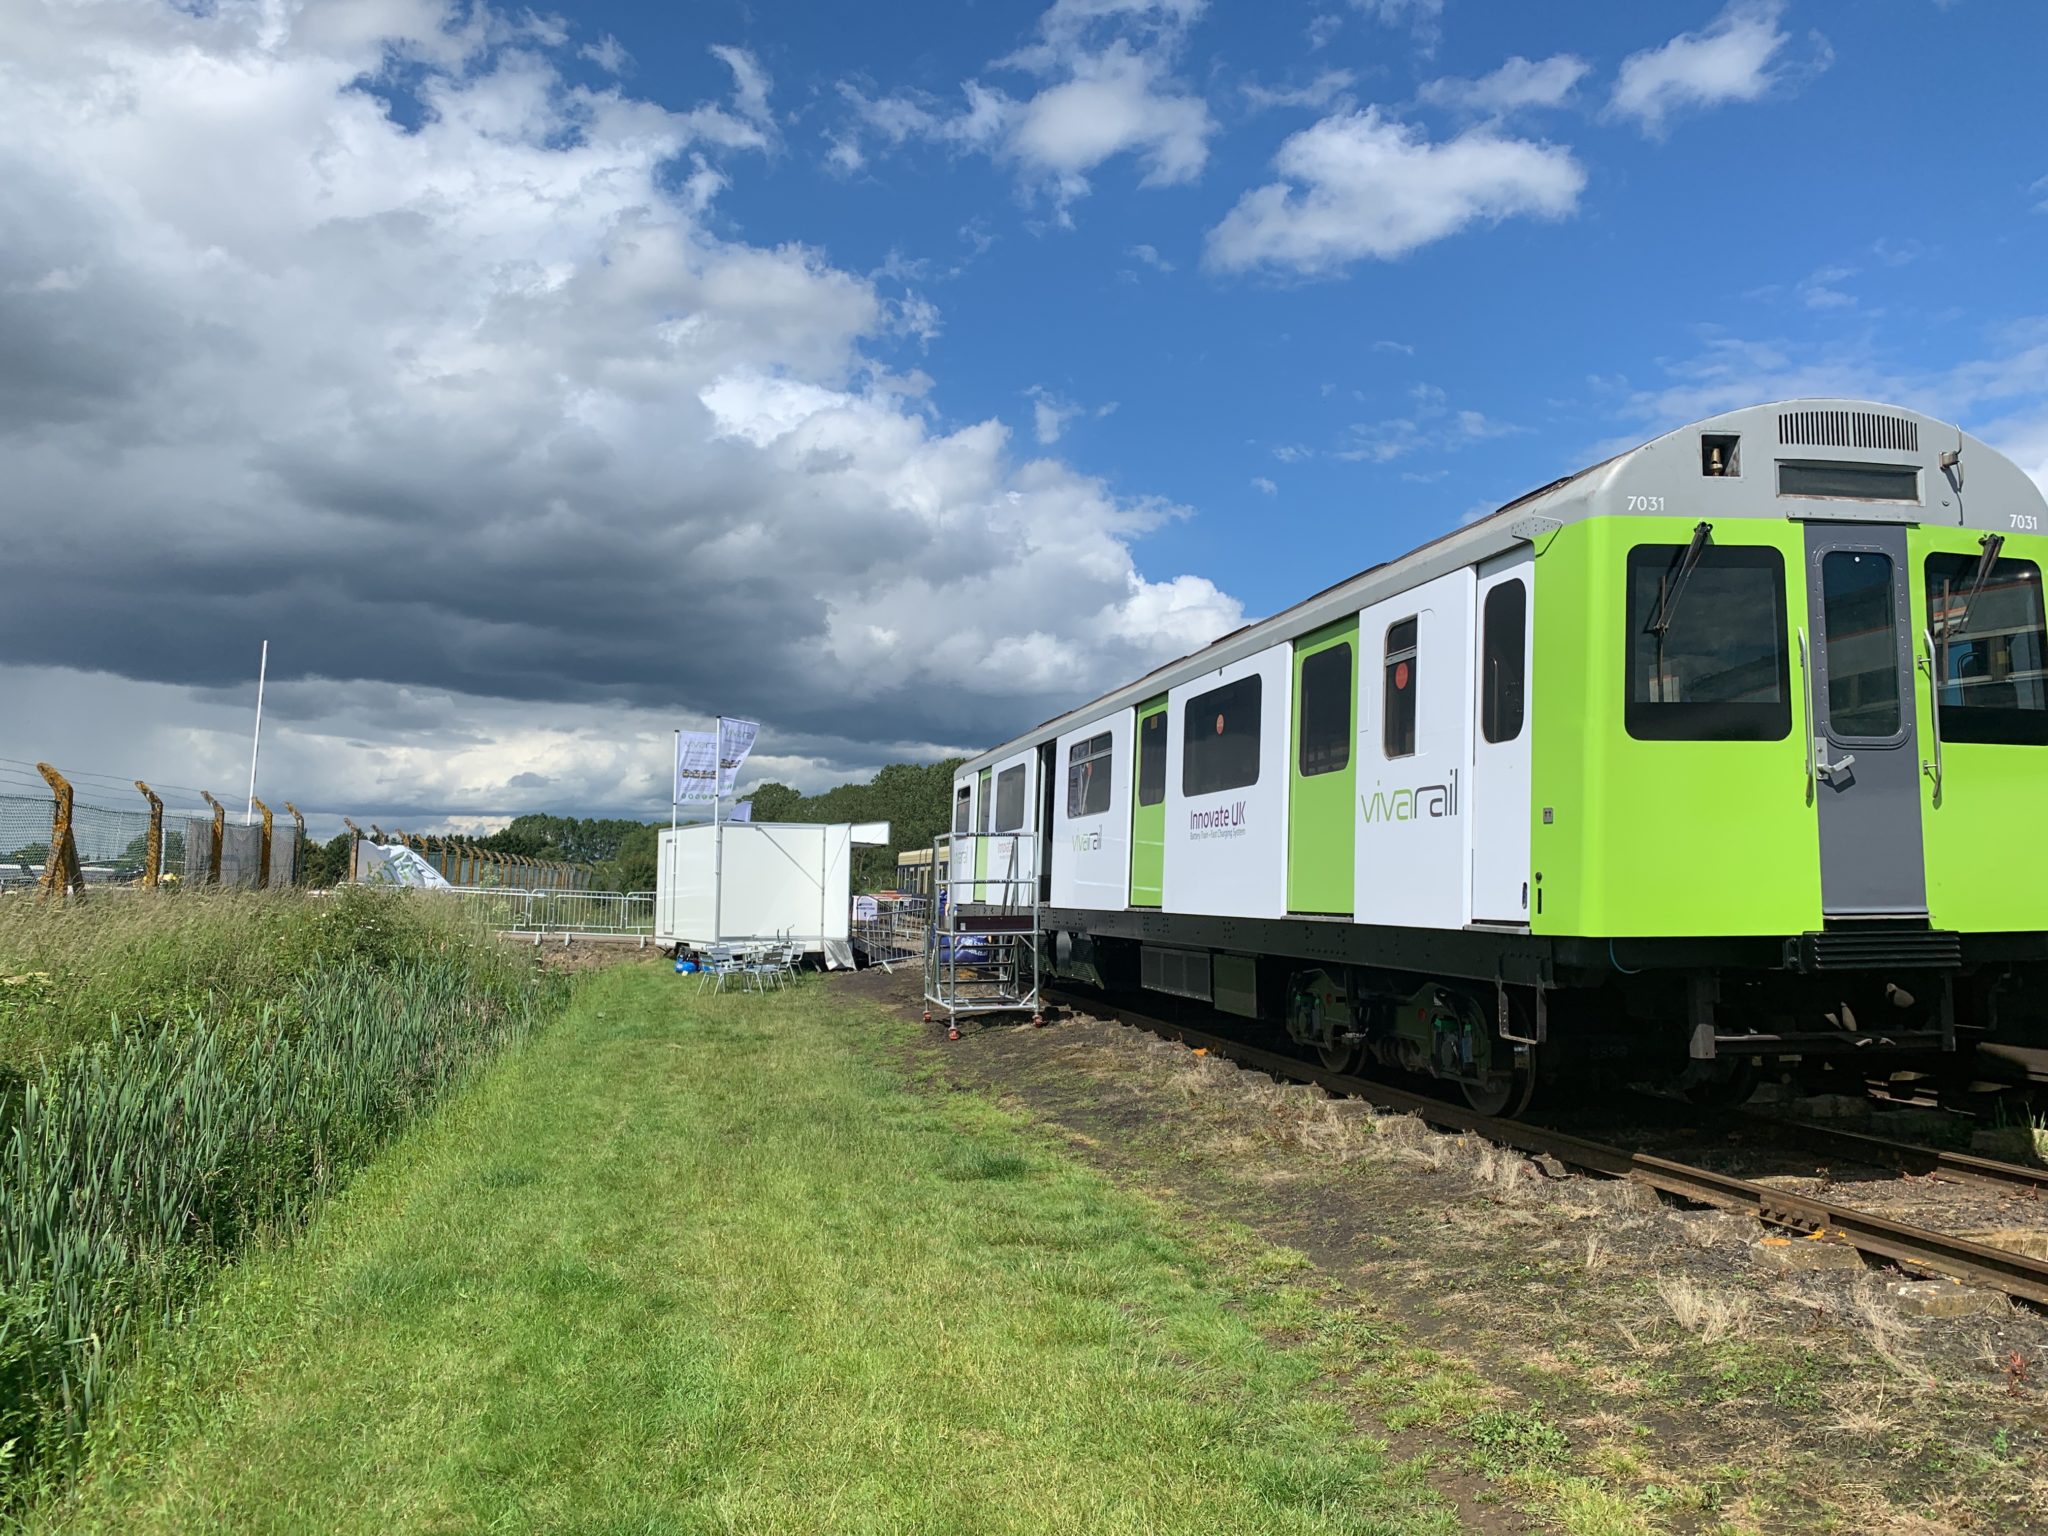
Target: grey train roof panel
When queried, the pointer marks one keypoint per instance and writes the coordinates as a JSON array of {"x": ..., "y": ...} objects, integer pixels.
[{"x": 1807, "y": 432}]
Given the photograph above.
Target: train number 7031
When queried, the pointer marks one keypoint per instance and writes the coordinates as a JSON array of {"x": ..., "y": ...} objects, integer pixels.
[
  {"x": 1646, "y": 503},
  {"x": 2026, "y": 522}
]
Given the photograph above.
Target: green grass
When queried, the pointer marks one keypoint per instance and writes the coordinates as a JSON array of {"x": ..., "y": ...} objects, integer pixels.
[{"x": 709, "y": 1264}]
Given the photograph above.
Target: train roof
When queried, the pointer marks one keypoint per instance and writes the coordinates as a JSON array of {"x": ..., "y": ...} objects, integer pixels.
[{"x": 1753, "y": 440}]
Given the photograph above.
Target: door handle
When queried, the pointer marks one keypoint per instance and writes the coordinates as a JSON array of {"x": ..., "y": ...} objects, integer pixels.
[
  {"x": 1932, "y": 768},
  {"x": 1806, "y": 701},
  {"x": 1822, "y": 766}
]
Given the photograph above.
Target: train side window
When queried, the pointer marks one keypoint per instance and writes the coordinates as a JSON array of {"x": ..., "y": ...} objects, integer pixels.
[
  {"x": 1990, "y": 648},
  {"x": 1220, "y": 738},
  {"x": 1010, "y": 799},
  {"x": 1504, "y": 661},
  {"x": 962, "y": 810},
  {"x": 1397, "y": 732},
  {"x": 1326, "y": 711},
  {"x": 1088, "y": 782},
  {"x": 1152, "y": 759},
  {"x": 1708, "y": 653}
]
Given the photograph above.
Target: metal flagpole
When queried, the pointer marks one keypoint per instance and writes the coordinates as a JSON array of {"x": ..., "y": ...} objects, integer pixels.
[
  {"x": 675, "y": 767},
  {"x": 718, "y": 834},
  {"x": 256, "y": 746}
]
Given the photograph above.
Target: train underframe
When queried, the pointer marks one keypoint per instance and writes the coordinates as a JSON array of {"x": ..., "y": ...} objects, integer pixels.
[{"x": 1501, "y": 1017}]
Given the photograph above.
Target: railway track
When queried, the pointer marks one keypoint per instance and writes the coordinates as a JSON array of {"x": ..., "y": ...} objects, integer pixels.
[{"x": 1911, "y": 1247}]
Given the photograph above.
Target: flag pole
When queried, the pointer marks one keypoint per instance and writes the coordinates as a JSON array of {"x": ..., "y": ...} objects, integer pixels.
[
  {"x": 256, "y": 745},
  {"x": 674, "y": 768},
  {"x": 718, "y": 835}
]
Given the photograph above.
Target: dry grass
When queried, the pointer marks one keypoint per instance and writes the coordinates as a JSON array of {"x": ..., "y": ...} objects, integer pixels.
[{"x": 1706, "y": 1313}]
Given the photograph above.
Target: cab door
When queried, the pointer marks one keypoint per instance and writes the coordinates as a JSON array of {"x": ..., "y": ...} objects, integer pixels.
[
  {"x": 1982, "y": 678},
  {"x": 1863, "y": 725}
]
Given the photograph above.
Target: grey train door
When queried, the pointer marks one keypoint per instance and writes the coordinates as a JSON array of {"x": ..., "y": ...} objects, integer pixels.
[{"x": 1866, "y": 769}]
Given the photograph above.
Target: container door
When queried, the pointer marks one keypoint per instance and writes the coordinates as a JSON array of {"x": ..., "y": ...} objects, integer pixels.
[
  {"x": 1322, "y": 774},
  {"x": 1866, "y": 763},
  {"x": 1500, "y": 742},
  {"x": 1148, "y": 807}
]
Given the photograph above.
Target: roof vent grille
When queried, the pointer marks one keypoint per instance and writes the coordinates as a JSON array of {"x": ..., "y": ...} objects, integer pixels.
[{"x": 1848, "y": 429}]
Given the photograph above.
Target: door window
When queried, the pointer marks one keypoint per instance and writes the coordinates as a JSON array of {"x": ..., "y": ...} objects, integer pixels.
[
  {"x": 1397, "y": 732},
  {"x": 1088, "y": 765},
  {"x": 1010, "y": 799},
  {"x": 1503, "y": 661},
  {"x": 1990, "y": 649},
  {"x": 962, "y": 804},
  {"x": 1860, "y": 631},
  {"x": 1152, "y": 759},
  {"x": 1326, "y": 711}
]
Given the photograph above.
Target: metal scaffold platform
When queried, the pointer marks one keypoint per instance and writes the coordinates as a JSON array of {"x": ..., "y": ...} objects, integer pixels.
[{"x": 981, "y": 951}]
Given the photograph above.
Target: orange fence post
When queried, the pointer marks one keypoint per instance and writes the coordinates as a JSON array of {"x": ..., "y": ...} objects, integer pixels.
[
  {"x": 153, "y": 849},
  {"x": 60, "y": 864},
  {"x": 298, "y": 841},
  {"x": 263, "y": 854},
  {"x": 220, "y": 822}
]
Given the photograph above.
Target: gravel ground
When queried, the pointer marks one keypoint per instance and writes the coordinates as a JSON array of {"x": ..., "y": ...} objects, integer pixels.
[{"x": 1698, "y": 1365}]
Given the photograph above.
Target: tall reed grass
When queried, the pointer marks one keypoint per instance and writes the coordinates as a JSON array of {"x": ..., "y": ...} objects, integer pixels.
[{"x": 216, "y": 1099}]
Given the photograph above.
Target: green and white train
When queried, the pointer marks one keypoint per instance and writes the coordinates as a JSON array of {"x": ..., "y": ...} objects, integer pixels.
[{"x": 1733, "y": 746}]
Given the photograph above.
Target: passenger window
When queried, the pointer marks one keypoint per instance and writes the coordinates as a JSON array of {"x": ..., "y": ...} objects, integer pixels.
[
  {"x": 1152, "y": 758},
  {"x": 1326, "y": 711},
  {"x": 1990, "y": 649},
  {"x": 1397, "y": 733},
  {"x": 1860, "y": 633},
  {"x": 1010, "y": 799},
  {"x": 1220, "y": 738},
  {"x": 985, "y": 803},
  {"x": 962, "y": 803},
  {"x": 1708, "y": 658},
  {"x": 1088, "y": 781},
  {"x": 1504, "y": 661}
]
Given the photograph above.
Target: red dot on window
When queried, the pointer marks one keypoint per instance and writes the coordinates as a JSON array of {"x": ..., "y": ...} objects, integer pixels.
[
  {"x": 1400, "y": 674},
  {"x": 1219, "y": 725}
]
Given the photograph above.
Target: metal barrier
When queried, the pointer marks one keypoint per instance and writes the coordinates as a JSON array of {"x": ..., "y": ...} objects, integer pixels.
[
  {"x": 578, "y": 914},
  {"x": 889, "y": 930}
]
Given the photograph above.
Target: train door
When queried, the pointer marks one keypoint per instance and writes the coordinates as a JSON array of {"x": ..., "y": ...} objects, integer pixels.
[
  {"x": 1984, "y": 737},
  {"x": 1500, "y": 742},
  {"x": 1322, "y": 774},
  {"x": 1148, "y": 807},
  {"x": 1863, "y": 724},
  {"x": 962, "y": 850},
  {"x": 1043, "y": 825}
]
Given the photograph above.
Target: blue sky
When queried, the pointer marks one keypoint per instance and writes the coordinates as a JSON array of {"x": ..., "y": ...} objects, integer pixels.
[{"x": 540, "y": 380}]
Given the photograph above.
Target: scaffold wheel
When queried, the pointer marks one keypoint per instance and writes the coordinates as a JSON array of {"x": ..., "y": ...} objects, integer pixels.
[
  {"x": 1038, "y": 1021},
  {"x": 952, "y": 1031}
]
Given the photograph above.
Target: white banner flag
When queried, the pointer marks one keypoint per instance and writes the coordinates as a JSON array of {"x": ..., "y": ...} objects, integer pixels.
[
  {"x": 696, "y": 766},
  {"x": 744, "y": 811},
  {"x": 735, "y": 741}
]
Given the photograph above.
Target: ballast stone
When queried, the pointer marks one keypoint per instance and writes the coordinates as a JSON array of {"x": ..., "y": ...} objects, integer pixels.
[
  {"x": 1943, "y": 1298},
  {"x": 1803, "y": 1255}
]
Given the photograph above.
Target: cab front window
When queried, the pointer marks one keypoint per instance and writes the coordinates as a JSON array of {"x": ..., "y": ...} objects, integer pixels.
[{"x": 1985, "y": 619}]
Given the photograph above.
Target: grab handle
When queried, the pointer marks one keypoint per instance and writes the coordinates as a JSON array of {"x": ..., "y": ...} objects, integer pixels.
[
  {"x": 1806, "y": 699},
  {"x": 1927, "y": 665}
]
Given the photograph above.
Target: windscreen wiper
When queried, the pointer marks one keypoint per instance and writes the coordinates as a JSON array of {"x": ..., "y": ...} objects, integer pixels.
[
  {"x": 1673, "y": 585},
  {"x": 1958, "y": 618}
]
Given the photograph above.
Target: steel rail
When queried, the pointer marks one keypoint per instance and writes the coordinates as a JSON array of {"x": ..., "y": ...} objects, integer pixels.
[{"x": 1920, "y": 1248}]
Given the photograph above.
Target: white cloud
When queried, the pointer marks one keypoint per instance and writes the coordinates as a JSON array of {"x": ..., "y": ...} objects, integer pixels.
[
  {"x": 1517, "y": 84},
  {"x": 2040, "y": 189},
  {"x": 609, "y": 55},
  {"x": 1403, "y": 348},
  {"x": 1318, "y": 95},
  {"x": 1264, "y": 486},
  {"x": 514, "y": 454},
  {"x": 1820, "y": 289},
  {"x": 1422, "y": 18},
  {"x": 1110, "y": 91},
  {"x": 1358, "y": 186},
  {"x": 1050, "y": 413},
  {"x": 1292, "y": 453},
  {"x": 1322, "y": 30},
  {"x": 1729, "y": 59},
  {"x": 1429, "y": 425},
  {"x": 1150, "y": 256}
]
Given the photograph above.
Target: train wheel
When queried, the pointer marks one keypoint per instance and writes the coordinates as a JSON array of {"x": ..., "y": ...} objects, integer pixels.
[
  {"x": 1503, "y": 1093},
  {"x": 1727, "y": 1088},
  {"x": 1341, "y": 1057}
]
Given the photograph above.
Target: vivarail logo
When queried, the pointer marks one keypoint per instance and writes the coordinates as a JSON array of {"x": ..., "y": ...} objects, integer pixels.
[
  {"x": 1089, "y": 841},
  {"x": 1432, "y": 800}
]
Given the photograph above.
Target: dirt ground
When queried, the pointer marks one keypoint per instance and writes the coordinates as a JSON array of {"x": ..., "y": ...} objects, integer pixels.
[{"x": 1569, "y": 1352}]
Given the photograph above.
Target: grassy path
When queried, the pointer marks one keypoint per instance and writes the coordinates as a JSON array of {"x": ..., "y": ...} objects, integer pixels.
[{"x": 690, "y": 1264}]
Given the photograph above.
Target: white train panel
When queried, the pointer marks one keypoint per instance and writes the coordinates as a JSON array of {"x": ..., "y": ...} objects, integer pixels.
[
  {"x": 1501, "y": 759},
  {"x": 1226, "y": 789},
  {"x": 1091, "y": 809},
  {"x": 1415, "y": 756}
]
